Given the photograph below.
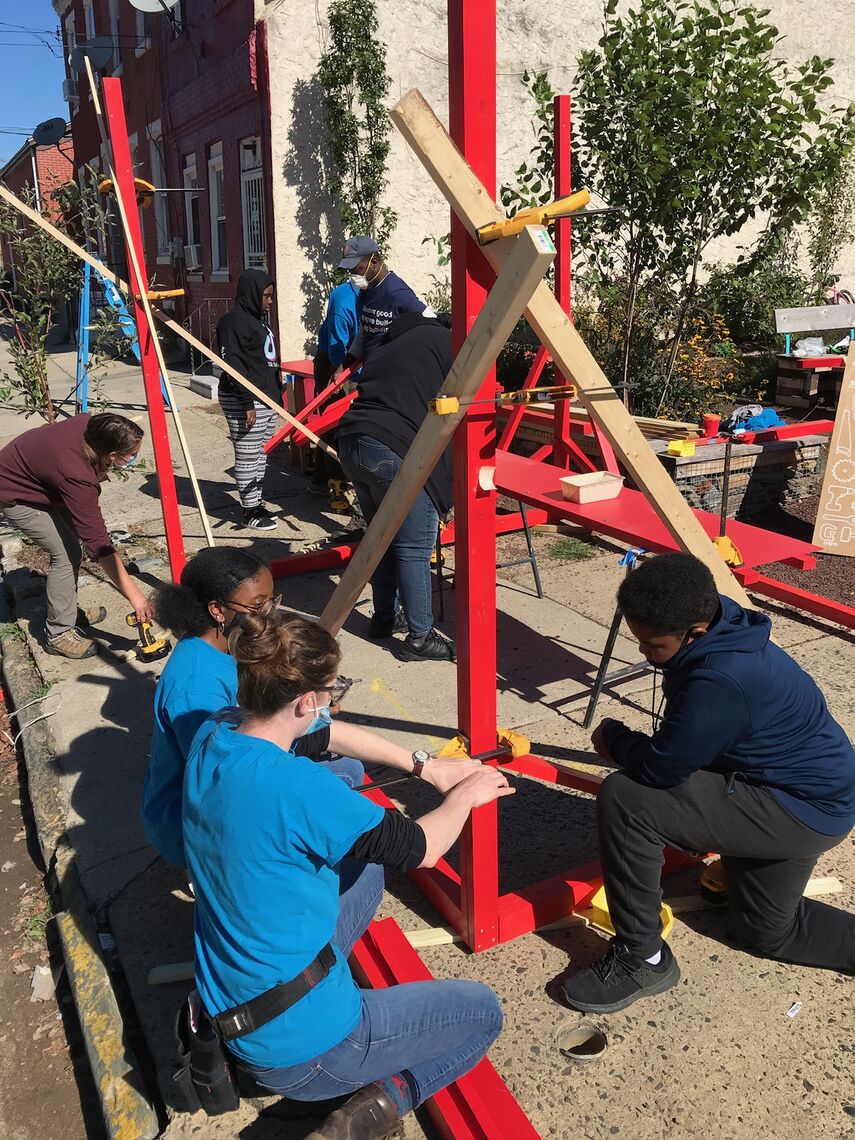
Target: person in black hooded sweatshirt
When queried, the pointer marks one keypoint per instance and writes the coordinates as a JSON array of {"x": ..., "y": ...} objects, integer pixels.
[
  {"x": 246, "y": 343},
  {"x": 395, "y": 386}
]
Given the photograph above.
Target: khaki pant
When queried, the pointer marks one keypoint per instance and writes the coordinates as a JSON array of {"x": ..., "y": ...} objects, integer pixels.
[{"x": 51, "y": 529}]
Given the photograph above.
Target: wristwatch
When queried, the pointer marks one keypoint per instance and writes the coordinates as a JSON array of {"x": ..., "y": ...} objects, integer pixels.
[{"x": 420, "y": 758}]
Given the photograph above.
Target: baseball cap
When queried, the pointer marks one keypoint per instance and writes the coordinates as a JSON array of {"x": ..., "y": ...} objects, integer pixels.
[{"x": 355, "y": 248}]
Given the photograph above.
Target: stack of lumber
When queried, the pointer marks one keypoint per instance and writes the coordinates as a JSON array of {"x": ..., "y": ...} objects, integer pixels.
[{"x": 651, "y": 428}]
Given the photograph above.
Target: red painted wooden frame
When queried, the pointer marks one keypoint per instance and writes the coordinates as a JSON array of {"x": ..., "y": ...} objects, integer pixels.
[
  {"x": 117, "y": 127},
  {"x": 478, "y": 1106}
]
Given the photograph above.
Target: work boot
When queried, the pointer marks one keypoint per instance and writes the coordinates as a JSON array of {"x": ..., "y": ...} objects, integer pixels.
[
  {"x": 90, "y": 615},
  {"x": 368, "y": 1115},
  {"x": 618, "y": 979},
  {"x": 432, "y": 647},
  {"x": 71, "y": 644},
  {"x": 379, "y": 630},
  {"x": 342, "y": 496}
]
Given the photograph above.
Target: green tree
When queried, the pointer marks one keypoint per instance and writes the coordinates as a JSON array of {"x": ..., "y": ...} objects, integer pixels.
[
  {"x": 355, "y": 85},
  {"x": 692, "y": 126},
  {"x": 45, "y": 276}
]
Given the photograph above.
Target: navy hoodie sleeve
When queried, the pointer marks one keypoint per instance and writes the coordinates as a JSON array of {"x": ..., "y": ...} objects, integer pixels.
[{"x": 704, "y": 718}]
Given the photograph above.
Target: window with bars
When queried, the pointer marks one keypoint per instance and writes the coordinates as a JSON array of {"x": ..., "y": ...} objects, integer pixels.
[
  {"x": 217, "y": 200},
  {"x": 158, "y": 177},
  {"x": 252, "y": 205}
]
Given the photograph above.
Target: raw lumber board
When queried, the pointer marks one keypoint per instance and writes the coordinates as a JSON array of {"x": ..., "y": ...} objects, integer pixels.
[
  {"x": 84, "y": 255},
  {"x": 432, "y": 145},
  {"x": 531, "y": 255},
  {"x": 815, "y": 318},
  {"x": 834, "y": 530}
]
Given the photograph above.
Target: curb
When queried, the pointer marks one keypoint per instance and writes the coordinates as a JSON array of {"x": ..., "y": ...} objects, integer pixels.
[{"x": 125, "y": 1103}]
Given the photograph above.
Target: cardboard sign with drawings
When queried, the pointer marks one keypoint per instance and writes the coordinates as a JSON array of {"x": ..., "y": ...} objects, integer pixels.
[{"x": 835, "y": 517}]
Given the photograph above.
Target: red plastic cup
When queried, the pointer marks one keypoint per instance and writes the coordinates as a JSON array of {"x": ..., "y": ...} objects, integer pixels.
[{"x": 711, "y": 425}]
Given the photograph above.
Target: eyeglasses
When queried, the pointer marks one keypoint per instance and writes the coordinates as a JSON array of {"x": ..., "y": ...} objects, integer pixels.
[
  {"x": 338, "y": 690},
  {"x": 261, "y": 608}
]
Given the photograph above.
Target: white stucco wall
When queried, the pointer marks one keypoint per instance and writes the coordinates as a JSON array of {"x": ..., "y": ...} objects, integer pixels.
[{"x": 529, "y": 36}]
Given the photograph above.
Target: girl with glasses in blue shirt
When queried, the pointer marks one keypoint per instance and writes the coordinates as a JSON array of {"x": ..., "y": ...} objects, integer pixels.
[{"x": 286, "y": 861}]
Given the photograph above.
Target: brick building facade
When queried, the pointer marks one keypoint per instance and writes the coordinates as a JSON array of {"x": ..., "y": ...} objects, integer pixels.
[
  {"x": 195, "y": 98},
  {"x": 39, "y": 170}
]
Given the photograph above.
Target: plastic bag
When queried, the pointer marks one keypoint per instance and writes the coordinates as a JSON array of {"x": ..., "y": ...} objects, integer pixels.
[{"x": 809, "y": 346}]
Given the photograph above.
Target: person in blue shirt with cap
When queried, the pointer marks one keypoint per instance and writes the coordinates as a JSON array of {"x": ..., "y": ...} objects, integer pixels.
[
  {"x": 286, "y": 861},
  {"x": 383, "y": 296},
  {"x": 335, "y": 336}
]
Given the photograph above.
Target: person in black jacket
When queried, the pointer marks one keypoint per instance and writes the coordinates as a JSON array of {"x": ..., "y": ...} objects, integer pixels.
[
  {"x": 404, "y": 373},
  {"x": 246, "y": 343}
]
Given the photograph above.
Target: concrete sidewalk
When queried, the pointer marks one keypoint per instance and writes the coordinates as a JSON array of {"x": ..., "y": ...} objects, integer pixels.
[{"x": 715, "y": 1057}]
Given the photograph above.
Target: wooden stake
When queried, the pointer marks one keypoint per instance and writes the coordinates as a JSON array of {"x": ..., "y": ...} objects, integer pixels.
[
  {"x": 474, "y": 207},
  {"x": 179, "y": 330},
  {"x": 152, "y": 328},
  {"x": 530, "y": 257}
]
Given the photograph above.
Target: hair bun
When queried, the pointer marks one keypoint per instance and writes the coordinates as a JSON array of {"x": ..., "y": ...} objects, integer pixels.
[{"x": 256, "y": 637}]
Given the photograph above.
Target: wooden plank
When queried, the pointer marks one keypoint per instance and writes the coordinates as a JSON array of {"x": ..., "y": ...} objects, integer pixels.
[
  {"x": 834, "y": 530},
  {"x": 815, "y": 318},
  {"x": 469, "y": 199},
  {"x": 530, "y": 256},
  {"x": 179, "y": 330}
]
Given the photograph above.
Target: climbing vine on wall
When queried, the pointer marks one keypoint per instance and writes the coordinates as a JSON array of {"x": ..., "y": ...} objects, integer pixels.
[{"x": 355, "y": 85}]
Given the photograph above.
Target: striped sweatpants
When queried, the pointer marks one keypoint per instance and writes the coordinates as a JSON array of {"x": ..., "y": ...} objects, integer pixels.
[{"x": 250, "y": 458}]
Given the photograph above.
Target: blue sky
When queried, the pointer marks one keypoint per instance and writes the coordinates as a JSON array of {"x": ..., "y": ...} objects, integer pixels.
[{"x": 31, "y": 74}]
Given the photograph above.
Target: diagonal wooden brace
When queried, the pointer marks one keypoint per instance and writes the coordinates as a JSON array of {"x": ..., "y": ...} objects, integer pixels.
[
  {"x": 475, "y": 208},
  {"x": 529, "y": 257}
]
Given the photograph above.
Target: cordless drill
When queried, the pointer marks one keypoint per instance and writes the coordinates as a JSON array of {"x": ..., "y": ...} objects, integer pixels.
[{"x": 150, "y": 648}]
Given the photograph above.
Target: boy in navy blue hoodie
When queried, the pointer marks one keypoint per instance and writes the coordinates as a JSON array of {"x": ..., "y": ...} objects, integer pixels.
[{"x": 747, "y": 761}]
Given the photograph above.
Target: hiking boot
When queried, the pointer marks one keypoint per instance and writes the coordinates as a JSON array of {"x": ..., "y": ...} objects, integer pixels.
[
  {"x": 432, "y": 647},
  {"x": 368, "y": 1115},
  {"x": 90, "y": 615},
  {"x": 379, "y": 629},
  {"x": 71, "y": 644},
  {"x": 618, "y": 979},
  {"x": 342, "y": 496},
  {"x": 259, "y": 518}
]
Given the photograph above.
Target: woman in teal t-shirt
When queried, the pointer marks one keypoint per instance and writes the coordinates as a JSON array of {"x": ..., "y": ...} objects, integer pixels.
[
  {"x": 283, "y": 858},
  {"x": 217, "y": 586}
]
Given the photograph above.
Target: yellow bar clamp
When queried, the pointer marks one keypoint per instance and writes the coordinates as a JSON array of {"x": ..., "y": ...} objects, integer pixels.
[{"x": 533, "y": 216}]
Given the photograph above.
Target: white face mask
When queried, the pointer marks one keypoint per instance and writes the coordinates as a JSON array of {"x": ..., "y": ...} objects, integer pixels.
[{"x": 359, "y": 281}]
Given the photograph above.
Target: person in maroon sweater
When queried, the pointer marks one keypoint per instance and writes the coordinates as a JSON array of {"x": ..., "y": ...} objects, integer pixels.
[{"x": 50, "y": 481}]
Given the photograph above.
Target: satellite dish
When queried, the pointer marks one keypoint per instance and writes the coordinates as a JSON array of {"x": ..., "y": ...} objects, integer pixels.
[
  {"x": 153, "y": 5},
  {"x": 49, "y": 132},
  {"x": 99, "y": 49}
]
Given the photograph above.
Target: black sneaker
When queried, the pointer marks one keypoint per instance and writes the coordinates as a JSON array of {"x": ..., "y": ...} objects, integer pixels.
[
  {"x": 618, "y": 979},
  {"x": 379, "y": 630},
  {"x": 432, "y": 647},
  {"x": 259, "y": 518}
]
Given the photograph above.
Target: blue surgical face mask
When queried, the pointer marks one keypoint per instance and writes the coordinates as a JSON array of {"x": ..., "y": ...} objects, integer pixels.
[
  {"x": 323, "y": 719},
  {"x": 128, "y": 462}
]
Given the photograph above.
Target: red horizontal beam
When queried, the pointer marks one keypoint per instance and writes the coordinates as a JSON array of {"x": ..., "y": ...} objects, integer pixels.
[
  {"x": 793, "y": 596},
  {"x": 478, "y": 1106},
  {"x": 326, "y": 559},
  {"x": 550, "y": 773}
]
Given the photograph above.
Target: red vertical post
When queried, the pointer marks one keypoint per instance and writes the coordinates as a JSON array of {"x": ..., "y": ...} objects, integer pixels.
[
  {"x": 472, "y": 122},
  {"x": 118, "y": 130},
  {"x": 563, "y": 237}
]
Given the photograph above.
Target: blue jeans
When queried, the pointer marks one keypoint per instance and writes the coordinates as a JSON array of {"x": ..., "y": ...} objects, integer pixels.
[
  {"x": 347, "y": 769},
  {"x": 405, "y": 567},
  {"x": 411, "y": 1039}
]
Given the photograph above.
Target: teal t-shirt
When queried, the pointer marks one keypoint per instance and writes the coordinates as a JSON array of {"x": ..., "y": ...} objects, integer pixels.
[
  {"x": 197, "y": 681},
  {"x": 264, "y": 832}
]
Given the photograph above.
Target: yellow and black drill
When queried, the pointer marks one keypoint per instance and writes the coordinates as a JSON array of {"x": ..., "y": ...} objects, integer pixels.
[{"x": 150, "y": 648}]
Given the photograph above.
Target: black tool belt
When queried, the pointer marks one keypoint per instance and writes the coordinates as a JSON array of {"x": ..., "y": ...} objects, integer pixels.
[{"x": 246, "y": 1018}]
